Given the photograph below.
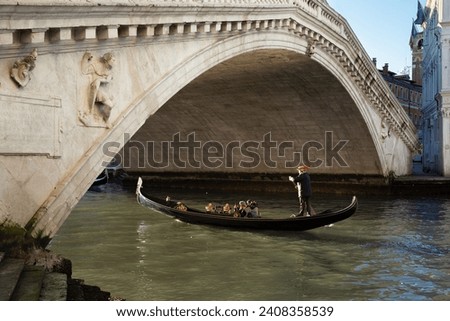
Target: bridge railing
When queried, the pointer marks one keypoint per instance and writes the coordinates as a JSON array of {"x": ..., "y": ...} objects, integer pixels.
[{"x": 17, "y": 25}]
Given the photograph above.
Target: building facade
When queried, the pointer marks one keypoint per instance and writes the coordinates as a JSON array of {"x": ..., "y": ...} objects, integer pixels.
[
  {"x": 436, "y": 87},
  {"x": 407, "y": 91}
]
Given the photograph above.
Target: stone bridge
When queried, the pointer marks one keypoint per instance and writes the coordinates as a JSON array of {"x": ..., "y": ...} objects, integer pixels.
[{"x": 257, "y": 86}]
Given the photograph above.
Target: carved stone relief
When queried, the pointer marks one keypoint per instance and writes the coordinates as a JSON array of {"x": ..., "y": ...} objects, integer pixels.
[
  {"x": 21, "y": 70},
  {"x": 445, "y": 112},
  {"x": 99, "y": 102}
]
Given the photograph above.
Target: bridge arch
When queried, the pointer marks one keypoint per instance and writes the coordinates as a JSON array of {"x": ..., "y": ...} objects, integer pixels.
[
  {"x": 156, "y": 95},
  {"x": 231, "y": 49}
]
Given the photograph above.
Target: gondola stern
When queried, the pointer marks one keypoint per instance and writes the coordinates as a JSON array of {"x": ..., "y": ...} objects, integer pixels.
[
  {"x": 355, "y": 202},
  {"x": 139, "y": 185},
  {"x": 139, "y": 195}
]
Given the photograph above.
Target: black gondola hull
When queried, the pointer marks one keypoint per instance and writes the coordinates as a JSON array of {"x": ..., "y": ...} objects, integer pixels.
[{"x": 194, "y": 216}]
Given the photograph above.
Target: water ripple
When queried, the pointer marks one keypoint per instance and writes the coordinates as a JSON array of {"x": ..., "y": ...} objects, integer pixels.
[{"x": 391, "y": 249}]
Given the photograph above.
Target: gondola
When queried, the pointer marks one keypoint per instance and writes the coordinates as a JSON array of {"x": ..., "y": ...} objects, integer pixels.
[
  {"x": 101, "y": 179},
  {"x": 99, "y": 182},
  {"x": 195, "y": 216}
]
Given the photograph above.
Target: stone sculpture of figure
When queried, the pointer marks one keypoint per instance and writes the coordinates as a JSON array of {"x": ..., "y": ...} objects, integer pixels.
[
  {"x": 385, "y": 130},
  {"x": 99, "y": 101},
  {"x": 21, "y": 70}
]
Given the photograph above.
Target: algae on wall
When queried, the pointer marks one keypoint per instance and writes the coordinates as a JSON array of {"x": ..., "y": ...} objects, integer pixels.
[{"x": 16, "y": 242}]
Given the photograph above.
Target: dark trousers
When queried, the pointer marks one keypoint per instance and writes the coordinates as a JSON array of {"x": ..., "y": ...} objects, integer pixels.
[{"x": 305, "y": 204}]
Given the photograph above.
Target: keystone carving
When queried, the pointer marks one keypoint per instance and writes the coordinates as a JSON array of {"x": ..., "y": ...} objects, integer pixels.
[
  {"x": 311, "y": 48},
  {"x": 21, "y": 70},
  {"x": 99, "y": 101}
]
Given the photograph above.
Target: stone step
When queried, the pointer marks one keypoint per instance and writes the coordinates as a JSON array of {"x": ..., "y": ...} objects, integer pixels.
[
  {"x": 10, "y": 271},
  {"x": 20, "y": 282},
  {"x": 30, "y": 284},
  {"x": 54, "y": 287}
]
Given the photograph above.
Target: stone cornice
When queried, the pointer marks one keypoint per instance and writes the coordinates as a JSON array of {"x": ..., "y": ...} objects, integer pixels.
[
  {"x": 144, "y": 3},
  {"x": 60, "y": 13},
  {"x": 62, "y": 17}
]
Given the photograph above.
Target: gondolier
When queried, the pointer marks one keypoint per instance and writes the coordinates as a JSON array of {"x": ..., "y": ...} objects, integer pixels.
[{"x": 303, "y": 182}]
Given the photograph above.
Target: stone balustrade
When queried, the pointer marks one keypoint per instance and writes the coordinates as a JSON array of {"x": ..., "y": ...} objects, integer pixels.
[{"x": 79, "y": 21}]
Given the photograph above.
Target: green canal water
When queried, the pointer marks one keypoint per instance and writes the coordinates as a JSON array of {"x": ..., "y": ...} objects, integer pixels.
[{"x": 391, "y": 249}]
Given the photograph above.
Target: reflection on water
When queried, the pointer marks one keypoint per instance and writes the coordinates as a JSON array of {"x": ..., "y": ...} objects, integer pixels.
[{"x": 391, "y": 249}]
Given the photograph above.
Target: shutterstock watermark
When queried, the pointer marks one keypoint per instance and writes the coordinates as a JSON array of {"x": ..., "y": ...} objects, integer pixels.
[{"x": 189, "y": 152}]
